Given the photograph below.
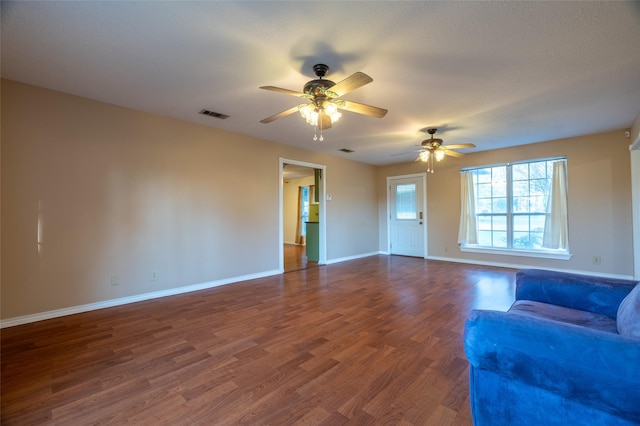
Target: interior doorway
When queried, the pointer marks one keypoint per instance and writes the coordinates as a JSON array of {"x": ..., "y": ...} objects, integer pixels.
[{"x": 302, "y": 215}]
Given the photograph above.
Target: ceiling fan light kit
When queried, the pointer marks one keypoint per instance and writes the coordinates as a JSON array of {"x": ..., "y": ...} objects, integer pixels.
[
  {"x": 324, "y": 106},
  {"x": 320, "y": 117}
]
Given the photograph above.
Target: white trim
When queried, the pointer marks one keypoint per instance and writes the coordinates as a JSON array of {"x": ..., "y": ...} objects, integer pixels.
[
  {"x": 357, "y": 256},
  {"x": 10, "y": 322},
  {"x": 517, "y": 266},
  {"x": 636, "y": 143},
  {"x": 322, "y": 250},
  {"x": 509, "y": 163},
  {"x": 425, "y": 235},
  {"x": 521, "y": 253},
  {"x": 635, "y": 201},
  {"x": 25, "y": 319}
]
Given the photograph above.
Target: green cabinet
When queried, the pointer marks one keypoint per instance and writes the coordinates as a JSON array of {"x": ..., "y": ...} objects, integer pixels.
[
  {"x": 313, "y": 241},
  {"x": 313, "y": 213}
]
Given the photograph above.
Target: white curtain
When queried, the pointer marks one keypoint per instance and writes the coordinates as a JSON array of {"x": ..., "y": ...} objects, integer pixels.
[
  {"x": 556, "y": 225},
  {"x": 467, "y": 234}
]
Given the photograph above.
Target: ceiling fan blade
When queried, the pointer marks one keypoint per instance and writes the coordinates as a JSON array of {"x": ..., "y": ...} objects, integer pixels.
[
  {"x": 362, "y": 109},
  {"x": 453, "y": 153},
  {"x": 285, "y": 91},
  {"x": 405, "y": 153},
  {"x": 351, "y": 83},
  {"x": 460, "y": 146},
  {"x": 280, "y": 115}
]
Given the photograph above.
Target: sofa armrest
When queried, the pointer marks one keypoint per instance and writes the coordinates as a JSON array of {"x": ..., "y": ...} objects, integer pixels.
[
  {"x": 587, "y": 293},
  {"x": 593, "y": 367}
]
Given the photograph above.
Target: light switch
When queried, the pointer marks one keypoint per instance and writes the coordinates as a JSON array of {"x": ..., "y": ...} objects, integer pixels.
[{"x": 329, "y": 197}]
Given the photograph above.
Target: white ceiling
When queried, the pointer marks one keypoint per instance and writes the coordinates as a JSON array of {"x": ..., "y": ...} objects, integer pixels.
[{"x": 495, "y": 74}]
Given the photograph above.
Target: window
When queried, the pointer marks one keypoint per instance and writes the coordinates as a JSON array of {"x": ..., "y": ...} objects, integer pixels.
[
  {"x": 515, "y": 207},
  {"x": 304, "y": 209},
  {"x": 406, "y": 201}
]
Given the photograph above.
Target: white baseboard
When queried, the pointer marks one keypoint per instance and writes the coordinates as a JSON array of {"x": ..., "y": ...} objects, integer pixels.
[
  {"x": 357, "y": 256},
  {"x": 25, "y": 319},
  {"x": 517, "y": 266},
  {"x": 10, "y": 322}
]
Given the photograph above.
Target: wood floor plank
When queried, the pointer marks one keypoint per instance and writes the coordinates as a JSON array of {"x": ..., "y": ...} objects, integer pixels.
[{"x": 376, "y": 340}]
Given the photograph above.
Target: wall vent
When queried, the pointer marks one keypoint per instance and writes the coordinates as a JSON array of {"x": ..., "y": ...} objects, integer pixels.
[
  {"x": 348, "y": 151},
  {"x": 214, "y": 114}
]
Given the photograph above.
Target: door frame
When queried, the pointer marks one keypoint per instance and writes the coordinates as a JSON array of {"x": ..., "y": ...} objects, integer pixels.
[
  {"x": 322, "y": 211},
  {"x": 634, "y": 148},
  {"x": 423, "y": 175}
]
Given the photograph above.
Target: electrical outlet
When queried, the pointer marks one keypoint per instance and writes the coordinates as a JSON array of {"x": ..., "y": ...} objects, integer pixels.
[
  {"x": 154, "y": 276},
  {"x": 596, "y": 260},
  {"x": 115, "y": 280}
]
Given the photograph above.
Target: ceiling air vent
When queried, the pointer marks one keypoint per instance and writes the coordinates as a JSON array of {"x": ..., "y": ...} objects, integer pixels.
[
  {"x": 348, "y": 151},
  {"x": 214, "y": 114}
]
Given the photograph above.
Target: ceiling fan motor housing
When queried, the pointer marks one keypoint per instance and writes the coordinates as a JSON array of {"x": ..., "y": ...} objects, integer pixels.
[
  {"x": 320, "y": 70},
  {"x": 318, "y": 87},
  {"x": 431, "y": 144}
]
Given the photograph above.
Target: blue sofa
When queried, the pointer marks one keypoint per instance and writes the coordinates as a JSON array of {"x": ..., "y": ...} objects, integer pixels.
[{"x": 566, "y": 353}]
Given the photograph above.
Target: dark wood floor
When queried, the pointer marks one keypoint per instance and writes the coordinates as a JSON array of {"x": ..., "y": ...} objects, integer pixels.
[
  {"x": 370, "y": 341},
  {"x": 295, "y": 258}
]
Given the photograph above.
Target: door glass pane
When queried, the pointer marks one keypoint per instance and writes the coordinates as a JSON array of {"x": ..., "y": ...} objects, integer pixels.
[{"x": 406, "y": 201}]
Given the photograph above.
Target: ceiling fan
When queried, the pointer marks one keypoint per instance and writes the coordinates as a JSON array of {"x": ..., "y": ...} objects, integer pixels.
[
  {"x": 324, "y": 103},
  {"x": 433, "y": 148}
]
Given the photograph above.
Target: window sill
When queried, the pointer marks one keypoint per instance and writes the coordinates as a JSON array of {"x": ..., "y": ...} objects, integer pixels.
[{"x": 522, "y": 253}]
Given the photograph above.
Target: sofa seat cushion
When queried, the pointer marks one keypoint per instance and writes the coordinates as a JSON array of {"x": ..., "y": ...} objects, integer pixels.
[{"x": 565, "y": 315}]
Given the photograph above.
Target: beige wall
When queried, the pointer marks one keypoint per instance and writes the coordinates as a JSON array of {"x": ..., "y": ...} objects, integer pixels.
[
  {"x": 600, "y": 221},
  {"x": 125, "y": 193}
]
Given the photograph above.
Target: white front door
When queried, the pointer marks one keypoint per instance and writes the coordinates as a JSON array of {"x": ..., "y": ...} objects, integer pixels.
[{"x": 407, "y": 220}]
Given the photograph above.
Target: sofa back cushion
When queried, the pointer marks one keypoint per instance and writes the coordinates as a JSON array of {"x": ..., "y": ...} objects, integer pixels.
[
  {"x": 566, "y": 315},
  {"x": 628, "y": 319},
  {"x": 599, "y": 295}
]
